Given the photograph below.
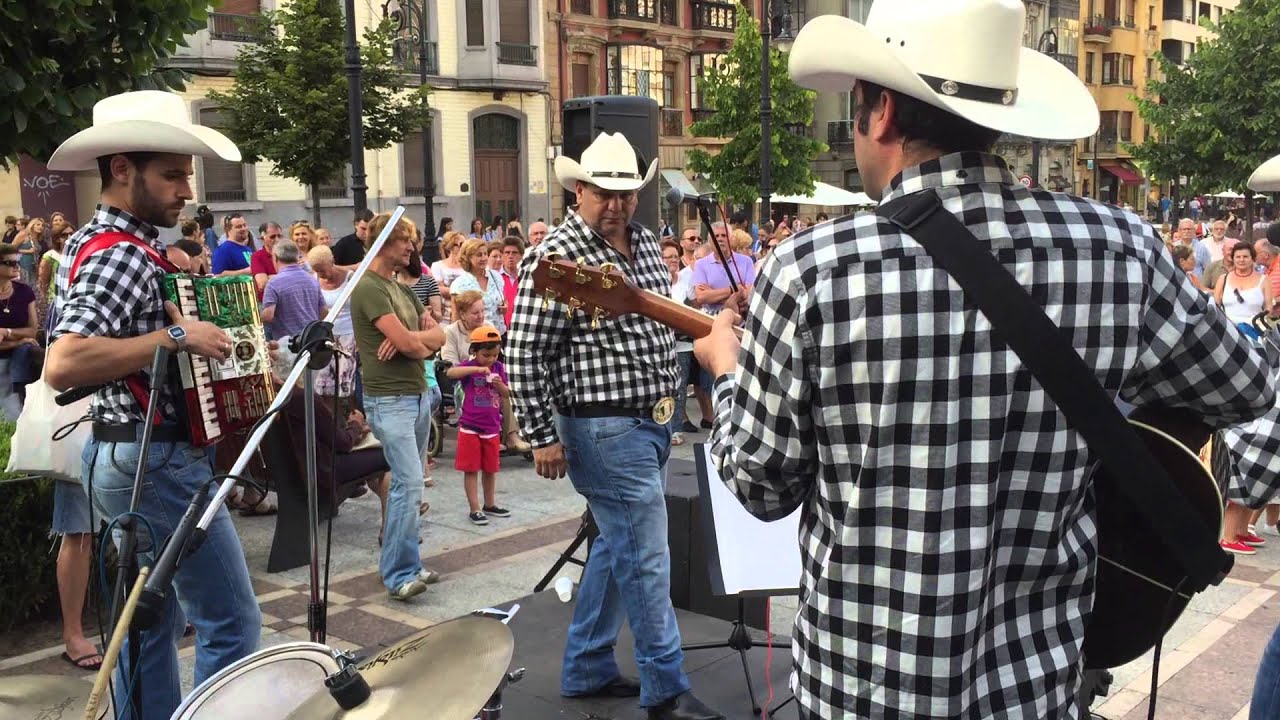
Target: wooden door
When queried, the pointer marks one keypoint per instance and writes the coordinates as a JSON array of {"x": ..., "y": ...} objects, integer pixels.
[{"x": 497, "y": 166}]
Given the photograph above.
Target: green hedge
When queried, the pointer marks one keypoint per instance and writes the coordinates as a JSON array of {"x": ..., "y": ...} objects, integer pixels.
[{"x": 27, "y": 560}]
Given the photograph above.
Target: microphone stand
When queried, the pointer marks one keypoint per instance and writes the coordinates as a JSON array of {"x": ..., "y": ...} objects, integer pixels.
[
  {"x": 316, "y": 348},
  {"x": 729, "y": 268},
  {"x": 126, "y": 559}
]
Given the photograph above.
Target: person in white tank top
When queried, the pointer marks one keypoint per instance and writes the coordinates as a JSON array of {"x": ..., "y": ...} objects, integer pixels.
[{"x": 1243, "y": 292}]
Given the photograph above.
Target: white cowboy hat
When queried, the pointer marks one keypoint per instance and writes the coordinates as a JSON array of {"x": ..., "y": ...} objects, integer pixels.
[
  {"x": 609, "y": 163},
  {"x": 141, "y": 121},
  {"x": 964, "y": 56},
  {"x": 1267, "y": 177}
]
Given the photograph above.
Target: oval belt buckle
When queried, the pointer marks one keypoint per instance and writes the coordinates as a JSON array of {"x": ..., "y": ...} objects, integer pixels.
[{"x": 663, "y": 410}]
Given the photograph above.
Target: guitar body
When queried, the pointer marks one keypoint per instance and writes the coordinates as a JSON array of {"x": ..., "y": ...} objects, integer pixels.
[{"x": 1134, "y": 603}]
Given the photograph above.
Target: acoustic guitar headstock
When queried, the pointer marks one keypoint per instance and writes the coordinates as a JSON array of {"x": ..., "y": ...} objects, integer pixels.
[{"x": 598, "y": 291}]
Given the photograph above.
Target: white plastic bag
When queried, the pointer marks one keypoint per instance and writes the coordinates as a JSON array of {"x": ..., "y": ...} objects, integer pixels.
[{"x": 33, "y": 450}]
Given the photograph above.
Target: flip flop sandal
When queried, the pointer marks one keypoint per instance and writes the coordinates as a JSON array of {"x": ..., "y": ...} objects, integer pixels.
[{"x": 76, "y": 661}]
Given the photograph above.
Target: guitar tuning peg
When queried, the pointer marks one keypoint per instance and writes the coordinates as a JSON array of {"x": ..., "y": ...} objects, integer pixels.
[
  {"x": 552, "y": 270},
  {"x": 605, "y": 281},
  {"x": 581, "y": 277},
  {"x": 595, "y": 318},
  {"x": 547, "y": 298}
]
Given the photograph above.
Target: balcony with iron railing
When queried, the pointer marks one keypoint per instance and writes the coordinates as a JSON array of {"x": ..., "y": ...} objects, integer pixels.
[
  {"x": 517, "y": 54},
  {"x": 645, "y": 10},
  {"x": 840, "y": 133},
  {"x": 405, "y": 55},
  {"x": 1097, "y": 30},
  {"x": 672, "y": 122},
  {"x": 804, "y": 130},
  {"x": 1102, "y": 144},
  {"x": 700, "y": 114},
  {"x": 236, "y": 28},
  {"x": 719, "y": 16}
]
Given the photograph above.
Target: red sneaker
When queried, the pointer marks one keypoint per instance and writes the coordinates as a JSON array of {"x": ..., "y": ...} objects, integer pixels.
[
  {"x": 1237, "y": 547},
  {"x": 1251, "y": 539}
]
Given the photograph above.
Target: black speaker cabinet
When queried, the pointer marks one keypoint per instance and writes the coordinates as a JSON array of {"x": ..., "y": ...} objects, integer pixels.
[
  {"x": 690, "y": 576},
  {"x": 636, "y": 118}
]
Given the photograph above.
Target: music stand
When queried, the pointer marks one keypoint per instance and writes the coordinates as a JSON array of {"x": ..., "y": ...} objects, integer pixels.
[
  {"x": 746, "y": 557},
  {"x": 587, "y": 532}
]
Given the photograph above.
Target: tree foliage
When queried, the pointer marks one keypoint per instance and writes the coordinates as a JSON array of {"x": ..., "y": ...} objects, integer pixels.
[
  {"x": 1213, "y": 118},
  {"x": 732, "y": 91},
  {"x": 289, "y": 103},
  {"x": 59, "y": 57}
]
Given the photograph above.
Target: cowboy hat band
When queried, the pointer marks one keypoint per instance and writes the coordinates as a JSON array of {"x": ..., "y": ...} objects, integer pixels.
[
  {"x": 614, "y": 174},
  {"x": 967, "y": 91}
]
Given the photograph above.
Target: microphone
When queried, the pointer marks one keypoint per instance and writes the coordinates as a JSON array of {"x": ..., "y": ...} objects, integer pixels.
[
  {"x": 677, "y": 197},
  {"x": 77, "y": 393}
]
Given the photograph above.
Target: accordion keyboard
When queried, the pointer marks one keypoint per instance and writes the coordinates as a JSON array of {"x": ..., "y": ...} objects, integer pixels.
[{"x": 223, "y": 397}]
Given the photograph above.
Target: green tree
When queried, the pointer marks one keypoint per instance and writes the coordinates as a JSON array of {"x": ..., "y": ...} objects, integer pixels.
[
  {"x": 1213, "y": 117},
  {"x": 732, "y": 91},
  {"x": 289, "y": 102},
  {"x": 59, "y": 57}
]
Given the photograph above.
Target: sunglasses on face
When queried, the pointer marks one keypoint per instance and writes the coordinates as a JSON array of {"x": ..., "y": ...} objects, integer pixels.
[{"x": 11, "y": 263}]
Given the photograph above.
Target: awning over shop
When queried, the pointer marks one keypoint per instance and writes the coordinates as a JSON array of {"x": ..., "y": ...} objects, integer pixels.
[
  {"x": 1124, "y": 173},
  {"x": 824, "y": 194},
  {"x": 676, "y": 179}
]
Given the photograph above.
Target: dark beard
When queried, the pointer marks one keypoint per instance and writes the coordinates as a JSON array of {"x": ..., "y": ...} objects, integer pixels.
[{"x": 145, "y": 207}]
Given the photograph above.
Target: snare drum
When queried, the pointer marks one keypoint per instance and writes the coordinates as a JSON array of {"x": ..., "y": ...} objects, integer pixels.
[{"x": 268, "y": 684}]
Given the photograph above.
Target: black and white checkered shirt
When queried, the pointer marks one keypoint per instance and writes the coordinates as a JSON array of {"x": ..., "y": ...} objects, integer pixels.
[
  {"x": 947, "y": 531},
  {"x": 555, "y": 359},
  {"x": 117, "y": 293}
]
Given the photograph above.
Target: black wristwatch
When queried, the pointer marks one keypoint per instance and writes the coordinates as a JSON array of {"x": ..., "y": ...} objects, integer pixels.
[{"x": 179, "y": 336}]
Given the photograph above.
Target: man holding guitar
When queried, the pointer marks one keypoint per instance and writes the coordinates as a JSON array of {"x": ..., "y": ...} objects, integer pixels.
[
  {"x": 949, "y": 532},
  {"x": 594, "y": 398}
]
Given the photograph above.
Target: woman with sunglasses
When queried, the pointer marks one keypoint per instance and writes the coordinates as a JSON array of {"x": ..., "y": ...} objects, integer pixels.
[
  {"x": 20, "y": 352},
  {"x": 1242, "y": 291}
]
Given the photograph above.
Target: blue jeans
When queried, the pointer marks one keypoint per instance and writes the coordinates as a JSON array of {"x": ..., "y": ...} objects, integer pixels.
[
  {"x": 619, "y": 465},
  {"x": 401, "y": 423},
  {"x": 1266, "y": 686},
  {"x": 212, "y": 585}
]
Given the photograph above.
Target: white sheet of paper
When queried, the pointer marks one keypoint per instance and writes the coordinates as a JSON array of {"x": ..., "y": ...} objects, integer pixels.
[{"x": 755, "y": 556}]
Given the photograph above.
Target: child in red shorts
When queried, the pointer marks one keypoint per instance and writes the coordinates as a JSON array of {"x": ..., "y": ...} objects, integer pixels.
[{"x": 484, "y": 385}]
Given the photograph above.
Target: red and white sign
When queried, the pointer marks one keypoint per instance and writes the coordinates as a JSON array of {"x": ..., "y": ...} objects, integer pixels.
[{"x": 1025, "y": 180}]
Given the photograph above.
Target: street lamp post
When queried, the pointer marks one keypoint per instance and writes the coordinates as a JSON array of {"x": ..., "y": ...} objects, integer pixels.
[
  {"x": 1047, "y": 44},
  {"x": 355, "y": 117},
  {"x": 766, "y": 98},
  {"x": 415, "y": 21}
]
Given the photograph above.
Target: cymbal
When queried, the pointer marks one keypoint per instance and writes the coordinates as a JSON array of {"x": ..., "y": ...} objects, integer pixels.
[
  {"x": 45, "y": 696},
  {"x": 446, "y": 672}
]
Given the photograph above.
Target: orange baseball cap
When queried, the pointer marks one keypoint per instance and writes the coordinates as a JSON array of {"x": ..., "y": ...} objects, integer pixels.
[{"x": 485, "y": 334}]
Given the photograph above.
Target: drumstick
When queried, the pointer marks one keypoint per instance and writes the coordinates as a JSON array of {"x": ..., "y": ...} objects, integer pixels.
[{"x": 113, "y": 649}]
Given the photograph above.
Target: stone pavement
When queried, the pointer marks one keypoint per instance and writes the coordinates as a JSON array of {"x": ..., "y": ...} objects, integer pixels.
[{"x": 1207, "y": 668}]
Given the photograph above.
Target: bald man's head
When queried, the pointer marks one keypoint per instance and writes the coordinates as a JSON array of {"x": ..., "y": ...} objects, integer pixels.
[{"x": 537, "y": 231}]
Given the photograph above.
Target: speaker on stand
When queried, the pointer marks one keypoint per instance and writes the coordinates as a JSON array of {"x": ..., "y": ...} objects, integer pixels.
[{"x": 636, "y": 118}]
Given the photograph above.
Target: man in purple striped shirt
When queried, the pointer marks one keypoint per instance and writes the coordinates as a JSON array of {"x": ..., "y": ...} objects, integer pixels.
[
  {"x": 711, "y": 286},
  {"x": 292, "y": 298}
]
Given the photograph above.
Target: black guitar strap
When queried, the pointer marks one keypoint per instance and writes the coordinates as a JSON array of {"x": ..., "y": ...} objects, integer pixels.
[{"x": 1053, "y": 360}]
